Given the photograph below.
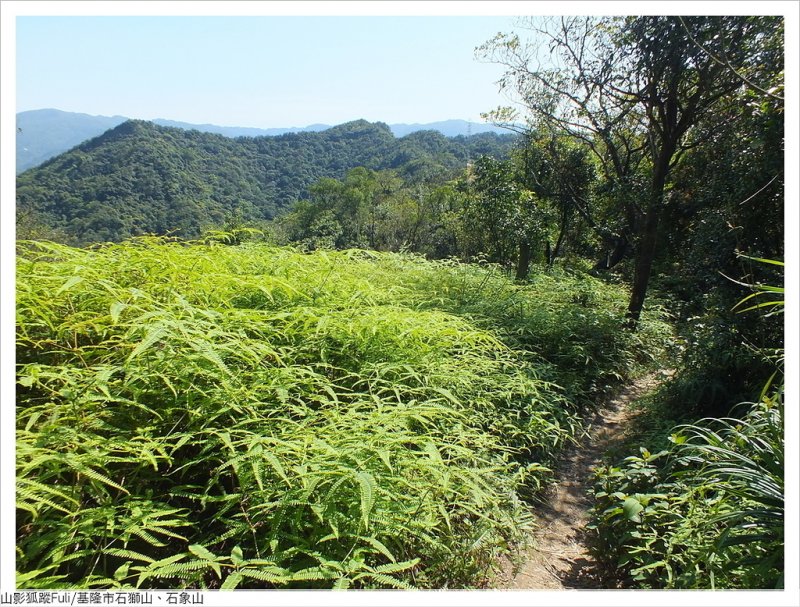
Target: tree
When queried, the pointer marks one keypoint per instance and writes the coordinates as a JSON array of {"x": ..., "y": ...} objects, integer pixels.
[
  {"x": 638, "y": 92},
  {"x": 569, "y": 95},
  {"x": 507, "y": 219},
  {"x": 560, "y": 174},
  {"x": 366, "y": 209}
]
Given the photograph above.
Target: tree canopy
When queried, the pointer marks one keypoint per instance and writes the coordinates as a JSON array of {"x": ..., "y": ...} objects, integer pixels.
[
  {"x": 141, "y": 178},
  {"x": 640, "y": 93}
]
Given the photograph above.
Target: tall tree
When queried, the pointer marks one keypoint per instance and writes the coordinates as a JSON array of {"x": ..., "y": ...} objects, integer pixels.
[
  {"x": 562, "y": 79},
  {"x": 638, "y": 92}
]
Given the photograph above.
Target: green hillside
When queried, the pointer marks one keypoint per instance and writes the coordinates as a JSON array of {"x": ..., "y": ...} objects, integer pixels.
[
  {"x": 141, "y": 178},
  {"x": 43, "y": 134}
]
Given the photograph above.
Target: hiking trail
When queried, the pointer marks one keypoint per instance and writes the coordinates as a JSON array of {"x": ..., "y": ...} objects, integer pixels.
[{"x": 558, "y": 557}]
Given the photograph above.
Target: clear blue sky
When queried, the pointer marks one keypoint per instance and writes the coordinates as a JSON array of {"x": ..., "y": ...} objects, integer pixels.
[{"x": 259, "y": 71}]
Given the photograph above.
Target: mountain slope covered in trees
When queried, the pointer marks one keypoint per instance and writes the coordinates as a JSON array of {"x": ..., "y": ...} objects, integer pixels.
[
  {"x": 43, "y": 134},
  {"x": 142, "y": 178}
]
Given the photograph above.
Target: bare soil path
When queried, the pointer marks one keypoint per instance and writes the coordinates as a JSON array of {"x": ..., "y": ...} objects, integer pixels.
[{"x": 559, "y": 558}]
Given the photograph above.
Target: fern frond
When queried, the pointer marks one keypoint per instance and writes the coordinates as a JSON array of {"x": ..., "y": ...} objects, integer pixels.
[
  {"x": 368, "y": 488},
  {"x": 276, "y": 576}
]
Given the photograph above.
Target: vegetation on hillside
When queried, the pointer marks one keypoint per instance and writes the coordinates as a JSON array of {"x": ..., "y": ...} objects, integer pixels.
[
  {"x": 707, "y": 509},
  {"x": 684, "y": 119},
  {"x": 199, "y": 415},
  {"x": 140, "y": 178}
]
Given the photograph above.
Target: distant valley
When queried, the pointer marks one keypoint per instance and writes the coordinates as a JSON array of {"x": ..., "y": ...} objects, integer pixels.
[{"x": 43, "y": 134}]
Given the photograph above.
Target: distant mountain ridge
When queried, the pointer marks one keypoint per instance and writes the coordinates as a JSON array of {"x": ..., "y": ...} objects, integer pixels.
[{"x": 43, "y": 134}]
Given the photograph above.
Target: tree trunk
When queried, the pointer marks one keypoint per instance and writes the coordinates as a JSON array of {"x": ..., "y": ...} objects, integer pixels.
[
  {"x": 524, "y": 261},
  {"x": 556, "y": 250},
  {"x": 644, "y": 262},
  {"x": 646, "y": 250}
]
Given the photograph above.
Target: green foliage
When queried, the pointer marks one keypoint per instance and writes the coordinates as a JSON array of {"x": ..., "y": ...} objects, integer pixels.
[
  {"x": 501, "y": 212},
  {"x": 381, "y": 211},
  {"x": 705, "y": 513},
  {"x": 727, "y": 199},
  {"x": 226, "y": 413},
  {"x": 206, "y": 415},
  {"x": 683, "y": 117},
  {"x": 140, "y": 178},
  {"x": 492, "y": 212},
  {"x": 569, "y": 319},
  {"x": 365, "y": 210},
  {"x": 725, "y": 353}
]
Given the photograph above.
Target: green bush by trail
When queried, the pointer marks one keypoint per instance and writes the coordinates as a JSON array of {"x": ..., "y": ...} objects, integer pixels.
[
  {"x": 706, "y": 511},
  {"x": 198, "y": 415}
]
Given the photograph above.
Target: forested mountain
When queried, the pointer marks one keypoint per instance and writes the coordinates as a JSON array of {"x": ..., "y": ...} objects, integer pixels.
[
  {"x": 142, "y": 178},
  {"x": 43, "y": 134}
]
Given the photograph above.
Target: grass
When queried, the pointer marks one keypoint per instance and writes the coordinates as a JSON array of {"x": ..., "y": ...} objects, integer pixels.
[{"x": 205, "y": 416}]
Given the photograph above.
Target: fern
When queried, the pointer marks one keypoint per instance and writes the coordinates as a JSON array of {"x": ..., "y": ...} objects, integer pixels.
[
  {"x": 276, "y": 576},
  {"x": 368, "y": 488},
  {"x": 385, "y": 580},
  {"x": 232, "y": 581},
  {"x": 174, "y": 570},
  {"x": 128, "y": 554},
  {"x": 250, "y": 416}
]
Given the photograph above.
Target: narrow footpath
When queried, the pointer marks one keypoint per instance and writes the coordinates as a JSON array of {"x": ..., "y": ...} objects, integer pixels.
[{"x": 559, "y": 558}]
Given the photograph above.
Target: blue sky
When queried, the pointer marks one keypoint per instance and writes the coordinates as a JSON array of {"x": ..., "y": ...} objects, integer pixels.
[{"x": 269, "y": 71}]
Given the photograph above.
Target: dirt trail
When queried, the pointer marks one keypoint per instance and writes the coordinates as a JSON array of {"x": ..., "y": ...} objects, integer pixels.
[{"x": 559, "y": 557}]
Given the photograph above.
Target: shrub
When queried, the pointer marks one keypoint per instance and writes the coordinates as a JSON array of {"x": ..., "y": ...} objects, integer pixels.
[{"x": 706, "y": 513}]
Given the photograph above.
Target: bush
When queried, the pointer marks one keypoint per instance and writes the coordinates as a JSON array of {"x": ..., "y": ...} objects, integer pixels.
[{"x": 705, "y": 513}]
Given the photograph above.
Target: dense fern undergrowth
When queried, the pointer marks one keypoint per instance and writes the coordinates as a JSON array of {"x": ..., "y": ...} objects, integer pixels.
[{"x": 195, "y": 415}]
